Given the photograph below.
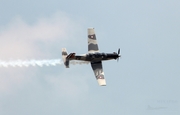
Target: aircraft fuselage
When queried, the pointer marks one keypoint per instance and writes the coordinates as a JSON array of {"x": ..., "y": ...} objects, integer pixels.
[{"x": 95, "y": 57}]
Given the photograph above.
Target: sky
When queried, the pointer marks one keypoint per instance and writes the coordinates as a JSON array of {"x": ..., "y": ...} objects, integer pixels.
[{"x": 145, "y": 81}]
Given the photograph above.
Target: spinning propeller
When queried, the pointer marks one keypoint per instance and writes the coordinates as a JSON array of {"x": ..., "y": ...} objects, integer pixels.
[{"x": 118, "y": 54}]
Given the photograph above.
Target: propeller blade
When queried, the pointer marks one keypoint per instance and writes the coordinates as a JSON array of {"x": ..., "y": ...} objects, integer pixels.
[
  {"x": 119, "y": 51},
  {"x": 118, "y": 59},
  {"x": 118, "y": 54}
]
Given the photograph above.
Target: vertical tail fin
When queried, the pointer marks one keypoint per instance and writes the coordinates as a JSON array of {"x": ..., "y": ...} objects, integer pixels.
[{"x": 64, "y": 55}]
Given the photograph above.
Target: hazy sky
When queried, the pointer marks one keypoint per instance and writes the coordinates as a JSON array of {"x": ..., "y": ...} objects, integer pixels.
[{"x": 145, "y": 81}]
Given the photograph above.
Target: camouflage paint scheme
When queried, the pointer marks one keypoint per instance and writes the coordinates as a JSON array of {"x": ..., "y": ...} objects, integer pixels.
[{"x": 93, "y": 56}]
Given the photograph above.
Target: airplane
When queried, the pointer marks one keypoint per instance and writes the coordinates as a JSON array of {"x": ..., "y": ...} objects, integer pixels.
[{"x": 94, "y": 56}]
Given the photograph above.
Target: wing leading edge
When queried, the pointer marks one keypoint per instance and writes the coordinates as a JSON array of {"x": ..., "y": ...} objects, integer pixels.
[{"x": 98, "y": 72}]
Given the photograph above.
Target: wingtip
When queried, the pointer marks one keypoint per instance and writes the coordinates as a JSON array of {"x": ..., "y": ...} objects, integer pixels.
[{"x": 102, "y": 82}]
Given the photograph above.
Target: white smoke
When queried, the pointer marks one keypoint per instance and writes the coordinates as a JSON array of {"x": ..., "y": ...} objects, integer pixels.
[{"x": 41, "y": 63}]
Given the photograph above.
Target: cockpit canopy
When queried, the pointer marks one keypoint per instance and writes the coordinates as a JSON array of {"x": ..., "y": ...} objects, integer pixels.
[{"x": 97, "y": 55}]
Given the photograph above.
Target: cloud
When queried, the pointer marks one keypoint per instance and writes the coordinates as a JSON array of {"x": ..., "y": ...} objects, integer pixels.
[
  {"x": 20, "y": 40},
  {"x": 71, "y": 86}
]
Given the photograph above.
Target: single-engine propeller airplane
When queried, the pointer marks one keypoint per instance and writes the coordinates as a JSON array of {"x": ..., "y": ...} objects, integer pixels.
[{"x": 93, "y": 56}]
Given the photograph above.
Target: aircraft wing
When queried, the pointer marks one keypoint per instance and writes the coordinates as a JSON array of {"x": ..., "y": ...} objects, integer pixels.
[
  {"x": 98, "y": 72},
  {"x": 92, "y": 42}
]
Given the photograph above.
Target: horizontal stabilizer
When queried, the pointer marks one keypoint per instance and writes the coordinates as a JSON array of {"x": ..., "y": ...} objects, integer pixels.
[{"x": 64, "y": 56}]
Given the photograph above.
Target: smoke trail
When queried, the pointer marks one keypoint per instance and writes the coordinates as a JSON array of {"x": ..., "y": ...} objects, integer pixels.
[{"x": 41, "y": 63}]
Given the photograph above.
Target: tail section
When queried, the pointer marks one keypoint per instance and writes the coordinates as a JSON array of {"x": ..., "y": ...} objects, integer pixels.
[{"x": 64, "y": 57}]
